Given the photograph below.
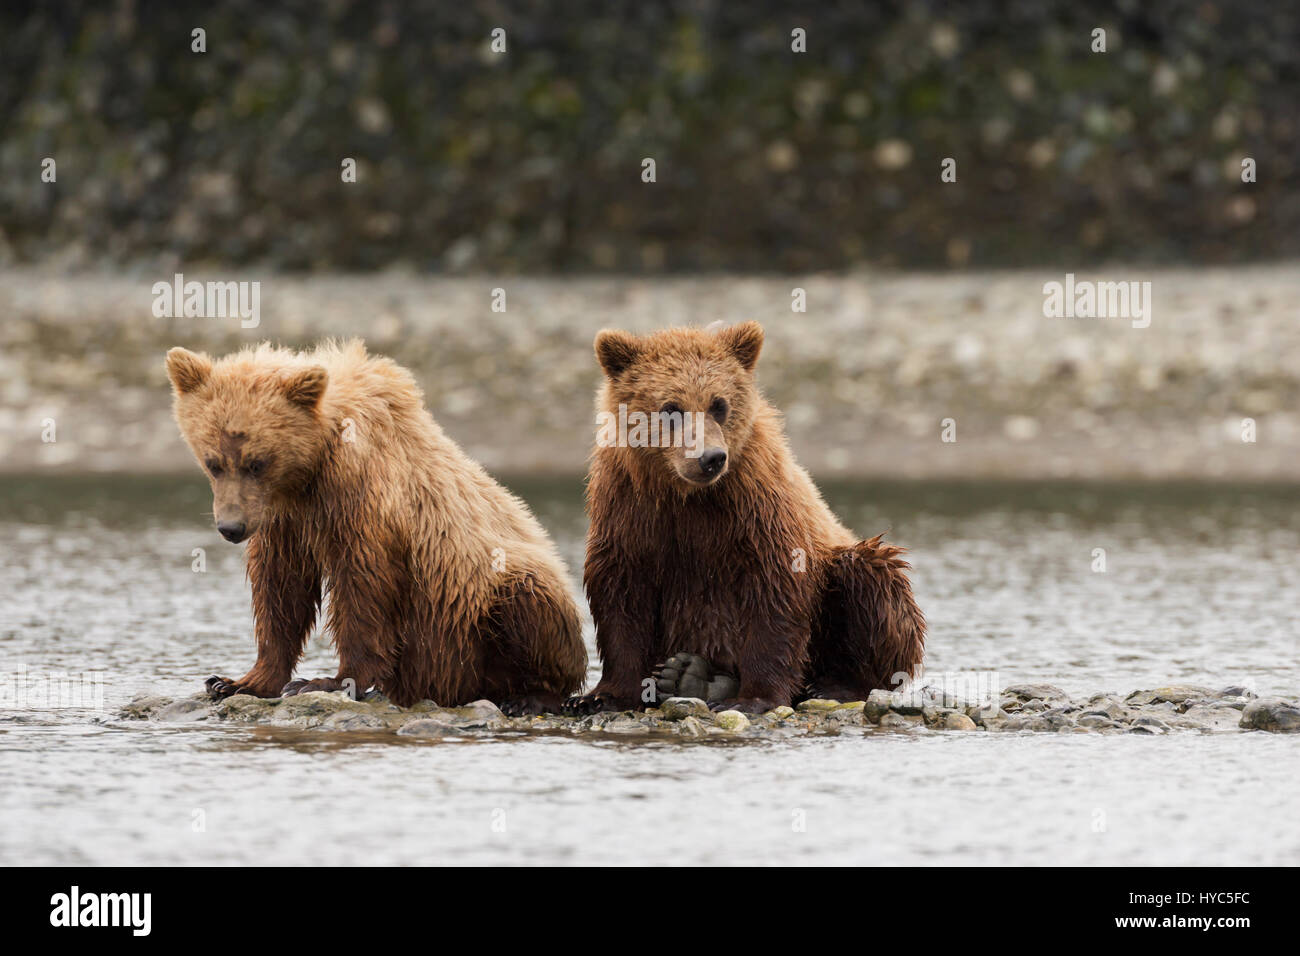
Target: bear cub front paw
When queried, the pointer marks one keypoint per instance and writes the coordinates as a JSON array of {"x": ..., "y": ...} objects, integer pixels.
[
  {"x": 530, "y": 705},
  {"x": 221, "y": 687}
]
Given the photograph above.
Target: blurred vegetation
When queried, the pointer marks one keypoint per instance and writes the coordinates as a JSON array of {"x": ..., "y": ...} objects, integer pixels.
[{"x": 531, "y": 160}]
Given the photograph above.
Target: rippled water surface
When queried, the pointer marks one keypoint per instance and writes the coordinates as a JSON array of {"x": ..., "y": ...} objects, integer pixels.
[{"x": 1201, "y": 585}]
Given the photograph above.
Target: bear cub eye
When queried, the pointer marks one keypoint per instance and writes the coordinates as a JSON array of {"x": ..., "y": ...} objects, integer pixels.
[
  {"x": 214, "y": 467},
  {"x": 718, "y": 410},
  {"x": 255, "y": 468}
]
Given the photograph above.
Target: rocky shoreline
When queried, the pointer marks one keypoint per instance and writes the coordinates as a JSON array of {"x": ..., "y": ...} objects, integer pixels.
[{"x": 1024, "y": 708}]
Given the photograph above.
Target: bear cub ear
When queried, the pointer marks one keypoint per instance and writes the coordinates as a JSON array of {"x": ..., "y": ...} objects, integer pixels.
[
  {"x": 744, "y": 341},
  {"x": 187, "y": 370},
  {"x": 616, "y": 351},
  {"x": 306, "y": 386}
]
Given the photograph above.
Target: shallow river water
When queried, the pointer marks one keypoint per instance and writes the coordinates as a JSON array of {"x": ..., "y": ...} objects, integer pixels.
[{"x": 1200, "y": 585}]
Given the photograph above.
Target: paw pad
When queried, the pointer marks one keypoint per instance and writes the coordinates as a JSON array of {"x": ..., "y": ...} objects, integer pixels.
[{"x": 689, "y": 675}]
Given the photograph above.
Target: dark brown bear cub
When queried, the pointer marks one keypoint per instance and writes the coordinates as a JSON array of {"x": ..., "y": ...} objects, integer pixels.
[
  {"x": 712, "y": 541},
  {"x": 441, "y": 583}
]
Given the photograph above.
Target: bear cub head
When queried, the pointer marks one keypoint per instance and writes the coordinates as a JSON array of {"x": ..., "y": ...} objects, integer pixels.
[
  {"x": 252, "y": 421},
  {"x": 695, "y": 387}
]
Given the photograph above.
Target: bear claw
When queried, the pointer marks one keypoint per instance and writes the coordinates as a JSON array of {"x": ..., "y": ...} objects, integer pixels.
[
  {"x": 219, "y": 687},
  {"x": 827, "y": 691},
  {"x": 582, "y": 705}
]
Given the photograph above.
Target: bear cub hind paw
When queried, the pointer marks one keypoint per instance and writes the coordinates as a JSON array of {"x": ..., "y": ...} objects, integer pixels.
[{"x": 689, "y": 675}]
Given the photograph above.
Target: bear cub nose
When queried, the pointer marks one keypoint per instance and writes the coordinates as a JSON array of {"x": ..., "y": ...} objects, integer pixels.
[
  {"x": 712, "y": 460},
  {"x": 231, "y": 530}
]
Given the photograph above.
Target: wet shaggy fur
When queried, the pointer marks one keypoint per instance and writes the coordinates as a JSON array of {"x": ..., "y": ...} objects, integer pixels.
[
  {"x": 749, "y": 569},
  {"x": 441, "y": 583}
]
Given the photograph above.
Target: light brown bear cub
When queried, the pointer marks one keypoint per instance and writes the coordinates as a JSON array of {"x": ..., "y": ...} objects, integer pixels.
[
  {"x": 716, "y": 554},
  {"x": 442, "y": 585}
]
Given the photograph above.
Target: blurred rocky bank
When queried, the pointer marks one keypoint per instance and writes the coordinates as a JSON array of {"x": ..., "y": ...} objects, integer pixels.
[{"x": 873, "y": 377}]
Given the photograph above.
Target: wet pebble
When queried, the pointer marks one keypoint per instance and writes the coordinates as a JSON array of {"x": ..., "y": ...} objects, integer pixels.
[
  {"x": 732, "y": 720},
  {"x": 679, "y": 708}
]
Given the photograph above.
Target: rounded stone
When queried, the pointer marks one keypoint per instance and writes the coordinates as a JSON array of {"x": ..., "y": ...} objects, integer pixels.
[
  {"x": 1271, "y": 714},
  {"x": 732, "y": 720},
  {"x": 679, "y": 708},
  {"x": 958, "y": 722},
  {"x": 427, "y": 727}
]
